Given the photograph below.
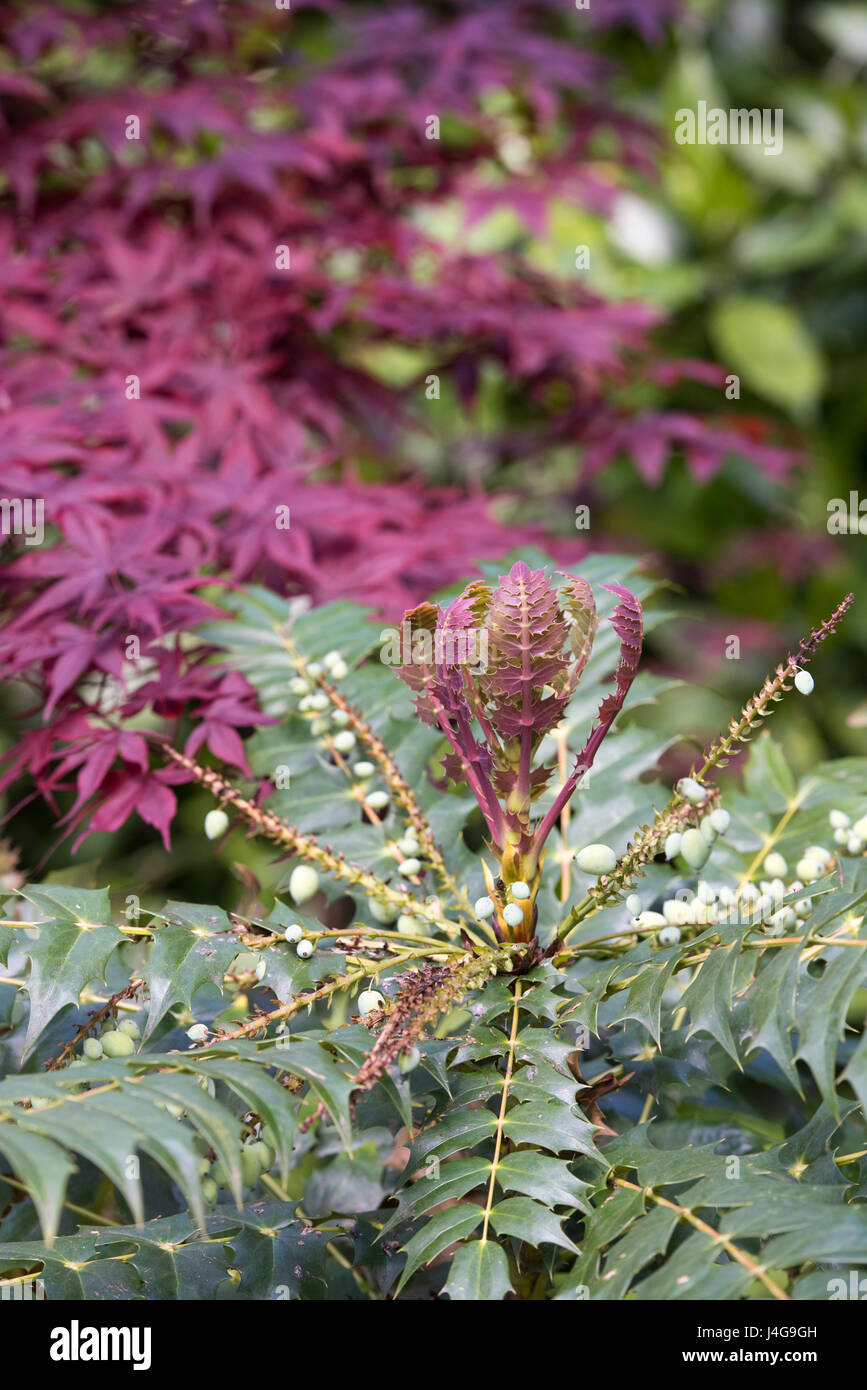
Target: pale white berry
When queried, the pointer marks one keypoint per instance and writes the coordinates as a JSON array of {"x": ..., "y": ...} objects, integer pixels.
[
  {"x": 645, "y": 920},
  {"x": 293, "y": 933},
  {"x": 854, "y": 845},
  {"x": 304, "y": 949},
  {"x": 344, "y": 742},
  {"x": 803, "y": 907},
  {"x": 364, "y": 769},
  {"x": 198, "y": 1033},
  {"x": 369, "y": 1000},
  {"x": 596, "y": 859},
  {"x": 303, "y": 883},
  {"x": 483, "y": 907},
  {"x": 860, "y": 827},
  {"x": 314, "y": 669},
  {"x": 299, "y": 686},
  {"x": 520, "y": 889},
  {"x": 672, "y": 844},
  {"x": 317, "y": 702},
  {"x": 512, "y": 915},
  {"x": 705, "y": 893},
  {"x": 331, "y": 657},
  {"x": 691, "y": 790},
  {"x": 839, "y": 820},
  {"x": 804, "y": 682},
  {"x": 340, "y": 717},
  {"x": 775, "y": 865},
  {"x": 377, "y": 801},
  {"x": 841, "y": 836},
  {"x": 339, "y": 670},
  {"x": 808, "y": 869},
  {"x": 819, "y": 853},
  {"x": 669, "y": 936},
  {"x": 92, "y": 1049},
  {"x": 695, "y": 848},
  {"x": 408, "y": 845},
  {"x": 320, "y": 726},
  {"x": 410, "y": 866},
  {"x": 261, "y": 967},
  {"x": 720, "y": 820},
  {"x": 216, "y": 824},
  {"x": 633, "y": 904}
]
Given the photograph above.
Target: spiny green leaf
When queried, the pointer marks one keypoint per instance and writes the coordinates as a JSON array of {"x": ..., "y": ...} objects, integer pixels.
[
  {"x": 436, "y": 1235},
  {"x": 479, "y": 1272}
]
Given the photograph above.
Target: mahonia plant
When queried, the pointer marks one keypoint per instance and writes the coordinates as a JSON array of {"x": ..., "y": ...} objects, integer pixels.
[{"x": 530, "y": 1027}]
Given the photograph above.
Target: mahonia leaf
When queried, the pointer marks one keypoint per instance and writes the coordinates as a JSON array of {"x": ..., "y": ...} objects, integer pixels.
[{"x": 66, "y": 951}]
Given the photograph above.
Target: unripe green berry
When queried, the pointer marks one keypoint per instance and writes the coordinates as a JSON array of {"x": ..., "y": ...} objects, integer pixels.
[
  {"x": 216, "y": 824},
  {"x": 304, "y": 949},
  {"x": 92, "y": 1049},
  {"x": 596, "y": 859},
  {"x": 707, "y": 828},
  {"x": 209, "y": 1191},
  {"x": 303, "y": 883},
  {"x": 513, "y": 916},
  {"x": 383, "y": 912},
  {"x": 264, "y": 1154},
  {"x": 408, "y": 1061},
  {"x": 720, "y": 820},
  {"x": 130, "y": 1027},
  {"x": 250, "y": 1168},
  {"x": 695, "y": 848},
  {"x": 115, "y": 1044},
  {"x": 410, "y": 926},
  {"x": 293, "y": 933},
  {"x": 692, "y": 791},
  {"x": 369, "y": 1000},
  {"x": 198, "y": 1033},
  {"x": 220, "y": 1174}
]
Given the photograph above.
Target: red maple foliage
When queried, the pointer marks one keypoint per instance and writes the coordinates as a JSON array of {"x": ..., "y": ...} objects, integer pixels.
[{"x": 185, "y": 315}]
